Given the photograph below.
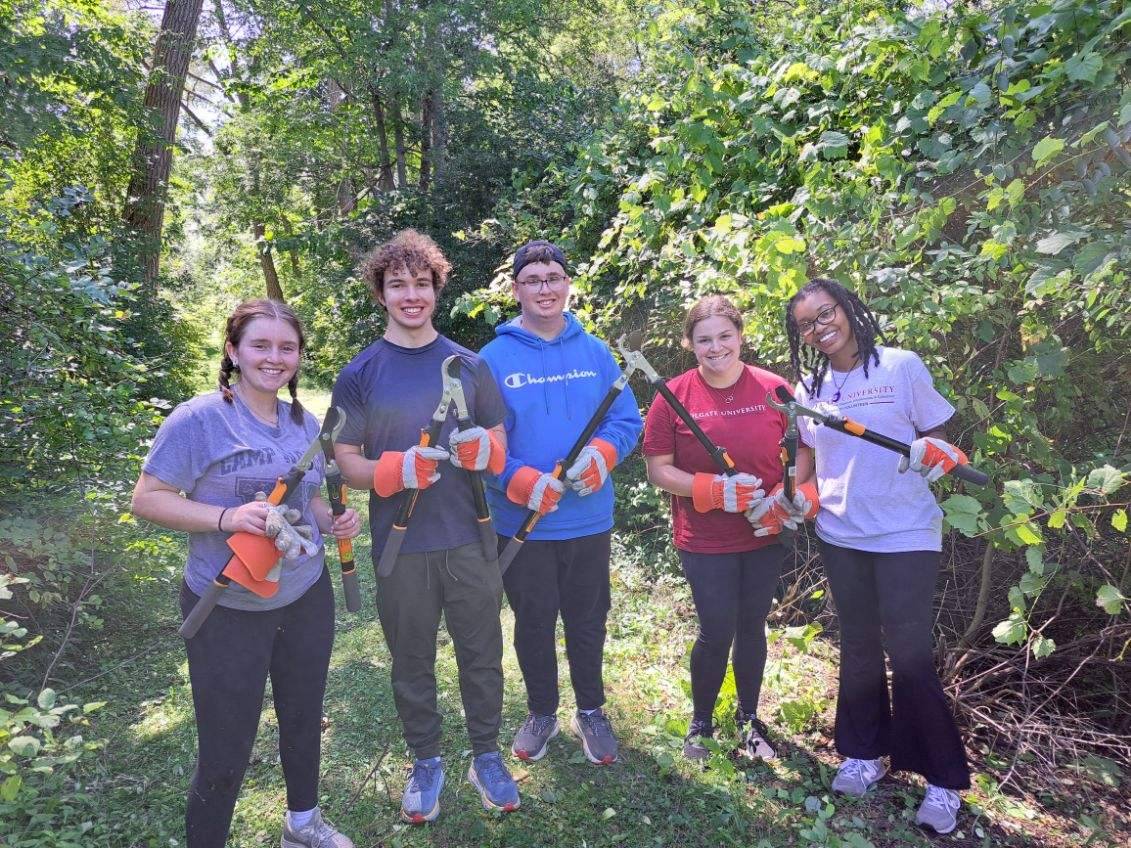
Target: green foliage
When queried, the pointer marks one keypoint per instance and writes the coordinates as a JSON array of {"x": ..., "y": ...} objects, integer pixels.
[{"x": 964, "y": 169}]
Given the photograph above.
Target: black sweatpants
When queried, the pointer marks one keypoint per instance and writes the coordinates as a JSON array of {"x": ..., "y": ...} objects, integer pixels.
[
  {"x": 886, "y": 601},
  {"x": 732, "y": 595},
  {"x": 229, "y": 660},
  {"x": 571, "y": 577}
]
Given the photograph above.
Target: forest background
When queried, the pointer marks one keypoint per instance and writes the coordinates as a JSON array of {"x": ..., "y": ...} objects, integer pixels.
[{"x": 966, "y": 166}]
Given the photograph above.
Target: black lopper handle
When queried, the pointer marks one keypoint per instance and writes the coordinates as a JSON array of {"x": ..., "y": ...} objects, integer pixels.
[{"x": 203, "y": 607}]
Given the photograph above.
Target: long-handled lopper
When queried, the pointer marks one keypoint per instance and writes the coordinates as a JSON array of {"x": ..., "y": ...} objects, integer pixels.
[
  {"x": 454, "y": 387},
  {"x": 428, "y": 438},
  {"x": 336, "y": 491},
  {"x": 253, "y": 556},
  {"x": 629, "y": 347},
  {"x": 560, "y": 467},
  {"x": 787, "y": 404}
]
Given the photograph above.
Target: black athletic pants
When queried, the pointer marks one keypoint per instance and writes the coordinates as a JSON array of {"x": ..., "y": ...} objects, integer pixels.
[
  {"x": 229, "y": 660},
  {"x": 887, "y": 601},
  {"x": 570, "y": 576},
  {"x": 732, "y": 595}
]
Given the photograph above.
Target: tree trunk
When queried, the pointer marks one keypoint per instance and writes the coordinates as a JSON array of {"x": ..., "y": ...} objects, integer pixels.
[
  {"x": 153, "y": 155},
  {"x": 398, "y": 138},
  {"x": 425, "y": 141},
  {"x": 439, "y": 133},
  {"x": 347, "y": 191},
  {"x": 267, "y": 263},
  {"x": 385, "y": 167}
]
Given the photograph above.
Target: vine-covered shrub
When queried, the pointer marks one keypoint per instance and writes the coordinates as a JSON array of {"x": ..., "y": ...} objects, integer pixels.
[{"x": 968, "y": 171}]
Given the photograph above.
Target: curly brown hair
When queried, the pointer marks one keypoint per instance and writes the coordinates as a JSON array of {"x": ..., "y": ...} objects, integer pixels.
[{"x": 407, "y": 249}]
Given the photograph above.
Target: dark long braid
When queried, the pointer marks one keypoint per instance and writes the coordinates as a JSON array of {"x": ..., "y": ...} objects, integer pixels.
[
  {"x": 865, "y": 330},
  {"x": 243, "y": 315}
]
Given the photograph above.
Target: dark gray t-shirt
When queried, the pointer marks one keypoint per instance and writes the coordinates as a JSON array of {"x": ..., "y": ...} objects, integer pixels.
[
  {"x": 219, "y": 453},
  {"x": 389, "y": 393}
]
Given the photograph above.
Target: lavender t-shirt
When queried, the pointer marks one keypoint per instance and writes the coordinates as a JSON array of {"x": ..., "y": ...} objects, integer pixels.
[
  {"x": 219, "y": 453},
  {"x": 866, "y": 504}
]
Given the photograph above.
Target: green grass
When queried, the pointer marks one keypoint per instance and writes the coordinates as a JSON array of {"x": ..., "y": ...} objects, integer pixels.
[{"x": 651, "y": 798}]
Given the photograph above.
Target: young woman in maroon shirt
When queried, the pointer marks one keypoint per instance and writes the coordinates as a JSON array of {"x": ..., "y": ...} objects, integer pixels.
[{"x": 732, "y": 572}]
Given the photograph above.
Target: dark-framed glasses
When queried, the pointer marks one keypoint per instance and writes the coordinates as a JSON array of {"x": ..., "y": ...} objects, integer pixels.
[
  {"x": 554, "y": 281},
  {"x": 825, "y": 316}
]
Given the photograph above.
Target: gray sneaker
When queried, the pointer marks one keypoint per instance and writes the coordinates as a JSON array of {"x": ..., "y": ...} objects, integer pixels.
[
  {"x": 855, "y": 777},
  {"x": 596, "y": 736},
  {"x": 318, "y": 833},
  {"x": 939, "y": 810},
  {"x": 693, "y": 747},
  {"x": 533, "y": 738},
  {"x": 753, "y": 738}
]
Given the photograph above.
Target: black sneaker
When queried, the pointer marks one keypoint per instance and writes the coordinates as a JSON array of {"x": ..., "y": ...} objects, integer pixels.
[
  {"x": 693, "y": 747},
  {"x": 596, "y": 734},
  {"x": 534, "y": 737},
  {"x": 753, "y": 738}
]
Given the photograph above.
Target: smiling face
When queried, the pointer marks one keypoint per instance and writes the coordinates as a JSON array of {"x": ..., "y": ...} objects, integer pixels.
[
  {"x": 268, "y": 354},
  {"x": 409, "y": 296},
  {"x": 717, "y": 345},
  {"x": 542, "y": 290},
  {"x": 823, "y": 324}
]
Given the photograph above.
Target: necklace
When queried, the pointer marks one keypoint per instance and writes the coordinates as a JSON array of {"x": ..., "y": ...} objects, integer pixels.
[
  {"x": 272, "y": 422},
  {"x": 726, "y": 395},
  {"x": 839, "y": 386}
]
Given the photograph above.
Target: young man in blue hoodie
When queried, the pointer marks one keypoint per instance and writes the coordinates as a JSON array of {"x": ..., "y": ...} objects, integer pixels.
[{"x": 553, "y": 375}]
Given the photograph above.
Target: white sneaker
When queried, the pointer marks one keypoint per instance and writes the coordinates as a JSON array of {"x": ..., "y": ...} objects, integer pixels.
[
  {"x": 318, "y": 833},
  {"x": 855, "y": 777},
  {"x": 939, "y": 810}
]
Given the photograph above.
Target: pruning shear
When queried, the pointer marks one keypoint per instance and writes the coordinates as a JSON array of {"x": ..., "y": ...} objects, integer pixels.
[
  {"x": 453, "y": 387},
  {"x": 428, "y": 437},
  {"x": 793, "y": 409},
  {"x": 336, "y": 491},
  {"x": 254, "y": 556}
]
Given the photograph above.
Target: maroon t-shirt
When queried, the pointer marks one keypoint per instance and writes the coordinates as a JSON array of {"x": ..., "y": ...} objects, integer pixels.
[{"x": 738, "y": 419}]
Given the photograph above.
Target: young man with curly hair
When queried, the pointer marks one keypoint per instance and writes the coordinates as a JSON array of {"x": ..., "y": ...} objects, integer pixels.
[{"x": 389, "y": 392}]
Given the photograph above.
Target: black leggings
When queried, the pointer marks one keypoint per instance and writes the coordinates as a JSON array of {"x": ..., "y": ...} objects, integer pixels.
[
  {"x": 229, "y": 661},
  {"x": 887, "y": 601},
  {"x": 732, "y": 595}
]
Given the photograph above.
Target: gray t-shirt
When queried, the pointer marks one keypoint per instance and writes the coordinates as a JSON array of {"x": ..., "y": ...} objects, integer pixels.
[
  {"x": 866, "y": 504},
  {"x": 219, "y": 453}
]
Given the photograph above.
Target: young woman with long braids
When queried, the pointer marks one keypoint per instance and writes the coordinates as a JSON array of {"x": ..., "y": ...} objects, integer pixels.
[
  {"x": 732, "y": 573},
  {"x": 880, "y": 533},
  {"x": 219, "y": 449}
]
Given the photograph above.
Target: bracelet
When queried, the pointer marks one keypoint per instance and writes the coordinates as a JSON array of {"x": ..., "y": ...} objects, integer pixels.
[{"x": 220, "y": 520}]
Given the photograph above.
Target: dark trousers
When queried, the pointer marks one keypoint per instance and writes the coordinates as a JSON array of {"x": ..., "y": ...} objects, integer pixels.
[
  {"x": 229, "y": 661},
  {"x": 732, "y": 593},
  {"x": 887, "y": 600},
  {"x": 570, "y": 577},
  {"x": 462, "y": 586}
]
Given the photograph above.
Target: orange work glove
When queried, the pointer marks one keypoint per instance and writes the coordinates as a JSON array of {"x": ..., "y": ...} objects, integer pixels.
[
  {"x": 735, "y": 493},
  {"x": 777, "y": 513},
  {"x": 536, "y": 490},
  {"x": 932, "y": 458},
  {"x": 592, "y": 468},
  {"x": 477, "y": 449},
  {"x": 415, "y": 468}
]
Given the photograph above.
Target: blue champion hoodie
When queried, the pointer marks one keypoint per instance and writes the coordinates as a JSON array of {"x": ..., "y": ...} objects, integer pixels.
[{"x": 551, "y": 389}]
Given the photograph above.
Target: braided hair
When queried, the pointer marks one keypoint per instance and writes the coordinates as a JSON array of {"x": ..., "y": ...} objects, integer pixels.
[
  {"x": 243, "y": 315},
  {"x": 865, "y": 330}
]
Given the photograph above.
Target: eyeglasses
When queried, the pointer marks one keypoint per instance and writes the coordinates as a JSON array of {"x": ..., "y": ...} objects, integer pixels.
[
  {"x": 825, "y": 316},
  {"x": 554, "y": 281}
]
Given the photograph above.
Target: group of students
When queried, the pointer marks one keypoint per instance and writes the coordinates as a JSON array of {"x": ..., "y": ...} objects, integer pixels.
[{"x": 530, "y": 393}]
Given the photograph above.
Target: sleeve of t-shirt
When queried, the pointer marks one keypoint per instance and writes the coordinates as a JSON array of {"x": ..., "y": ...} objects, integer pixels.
[
  {"x": 177, "y": 456},
  {"x": 622, "y": 424},
  {"x": 659, "y": 434},
  {"x": 347, "y": 397},
  {"x": 929, "y": 409},
  {"x": 805, "y": 425},
  {"x": 490, "y": 410}
]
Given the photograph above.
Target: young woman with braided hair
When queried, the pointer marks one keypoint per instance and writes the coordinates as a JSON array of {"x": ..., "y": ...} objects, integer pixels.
[
  {"x": 208, "y": 460},
  {"x": 880, "y": 535}
]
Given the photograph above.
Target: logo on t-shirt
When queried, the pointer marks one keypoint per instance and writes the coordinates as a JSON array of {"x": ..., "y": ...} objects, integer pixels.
[
  {"x": 518, "y": 379},
  {"x": 756, "y": 409}
]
